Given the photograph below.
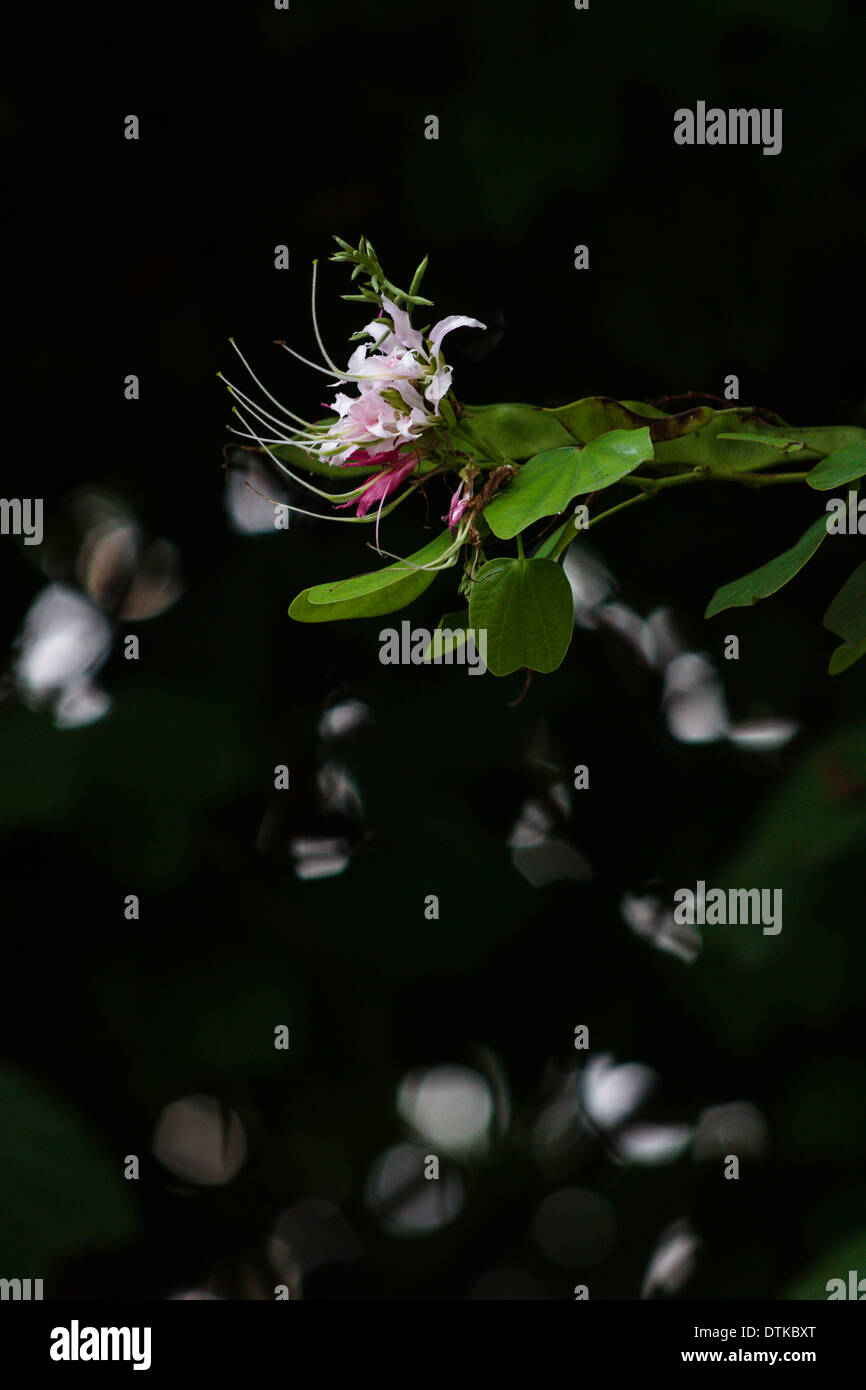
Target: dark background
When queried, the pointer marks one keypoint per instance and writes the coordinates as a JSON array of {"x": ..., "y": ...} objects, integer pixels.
[{"x": 556, "y": 128}]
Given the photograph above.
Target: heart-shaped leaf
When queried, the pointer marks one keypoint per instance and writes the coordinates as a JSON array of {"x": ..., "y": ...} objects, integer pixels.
[
  {"x": 547, "y": 483},
  {"x": 770, "y": 577},
  {"x": 526, "y": 609}
]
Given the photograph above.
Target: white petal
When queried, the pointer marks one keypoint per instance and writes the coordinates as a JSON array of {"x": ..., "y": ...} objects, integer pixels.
[
  {"x": 439, "y": 385},
  {"x": 437, "y": 333},
  {"x": 404, "y": 332}
]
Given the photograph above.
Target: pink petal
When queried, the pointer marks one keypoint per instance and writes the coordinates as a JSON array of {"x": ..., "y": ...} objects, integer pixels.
[
  {"x": 403, "y": 330},
  {"x": 381, "y": 485}
]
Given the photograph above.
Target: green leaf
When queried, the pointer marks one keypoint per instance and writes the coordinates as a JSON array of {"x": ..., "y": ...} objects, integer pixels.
[
  {"x": 784, "y": 446},
  {"x": 514, "y": 430},
  {"x": 64, "y": 1192},
  {"x": 742, "y": 440},
  {"x": 520, "y": 431},
  {"x": 455, "y": 625},
  {"x": 371, "y": 595},
  {"x": 526, "y": 609},
  {"x": 848, "y": 1253},
  {"x": 547, "y": 547},
  {"x": 342, "y": 590},
  {"x": 770, "y": 577},
  {"x": 547, "y": 483},
  {"x": 846, "y": 616},
  {"x": 845, "y": 656},
  {"x": 842, "y": 467},
  {"x": 594, "y": 416}
]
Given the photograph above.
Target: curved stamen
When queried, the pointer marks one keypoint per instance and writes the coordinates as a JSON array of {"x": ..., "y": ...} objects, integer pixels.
[
  {"x": 343, "y": 376},
  {"x": 242, "y": 434},
  {"x": 322, "y": 348},
  {"x": 329, "y": 496},
  {"x": 261, "y": 414},
  {"x": 264, "y": 389}
]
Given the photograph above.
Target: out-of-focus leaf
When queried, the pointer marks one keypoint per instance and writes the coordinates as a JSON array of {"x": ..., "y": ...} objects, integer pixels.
[
  {"x": 846, "y": 616},
  {"x": 62, "y": 1192},
  {"x": 845, "y": 656},
  {"x": 848, "y": 1254}
]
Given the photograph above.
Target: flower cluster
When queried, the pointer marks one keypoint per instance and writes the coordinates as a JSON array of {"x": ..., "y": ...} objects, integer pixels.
[{"x": 399, "y": 379}]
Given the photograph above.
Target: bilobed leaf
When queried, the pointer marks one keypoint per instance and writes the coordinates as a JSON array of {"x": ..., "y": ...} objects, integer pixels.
[
  {"x": 371, "y": 595},
  {"x": 770, "y": 577},
  {"x": 526, "y": 609},
  {"x": 841, "y": 467},
  {"x": 547, "y": 483}
]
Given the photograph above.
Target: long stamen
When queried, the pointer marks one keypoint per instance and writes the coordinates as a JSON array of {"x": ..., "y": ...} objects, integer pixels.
[
  {"x": 347, "y": 520},
  {"x": 343, "y": 376},
  {"x": 242, "y": 434},
  {"x": 261, "y": 414},
  {"x": 329, "y": 496},
  {"x": 378, "y": 519},
  {"x": 322, "y": 348},
  {"x": 264, "y": 389}
]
